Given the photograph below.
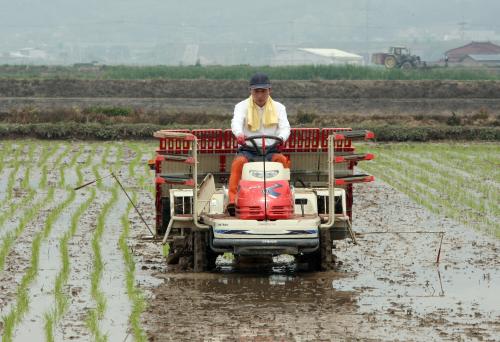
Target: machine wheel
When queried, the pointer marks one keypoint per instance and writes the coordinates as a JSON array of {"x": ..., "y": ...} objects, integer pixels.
[
  {"x": 406, "y": 66},
  {"x": 390, "y": 62},
  {"x": 323, "y": 259},
  {"x": 326, "y": 258},
  {"x": 203, "y": 257},
  {"x": 165, "y": 216}
]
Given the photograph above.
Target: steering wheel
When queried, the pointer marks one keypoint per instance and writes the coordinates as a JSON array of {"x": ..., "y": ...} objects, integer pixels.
[{"x": 259, "y": 150}]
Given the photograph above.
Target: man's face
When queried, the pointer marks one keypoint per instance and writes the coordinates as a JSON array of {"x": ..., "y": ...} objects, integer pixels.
[{"x": 260, "y": 96}]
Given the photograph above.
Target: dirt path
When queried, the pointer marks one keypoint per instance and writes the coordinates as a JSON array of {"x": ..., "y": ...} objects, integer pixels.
[{"x": 387, "y": 288}]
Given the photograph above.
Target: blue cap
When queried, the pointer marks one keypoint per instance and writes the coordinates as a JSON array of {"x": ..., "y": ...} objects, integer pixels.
[{"x": 260, "y": 81}]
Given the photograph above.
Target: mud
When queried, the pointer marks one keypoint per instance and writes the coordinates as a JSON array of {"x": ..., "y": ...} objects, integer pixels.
[
  {"x": 50, "y": 108},
  {"x": 209, "y": 89},
  {"x": 217, "y": 97},
  {"x": 387, "y": 288}
]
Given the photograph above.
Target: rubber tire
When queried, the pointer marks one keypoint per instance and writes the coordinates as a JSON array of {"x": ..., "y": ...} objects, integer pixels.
[
  {"x": 165, "y": 216},
  {"x": 406, "y": 66},
  {"x": 390, "y": 62},
  {"x": 203, "y": 257},
  {"x": 323, "y": 259}
]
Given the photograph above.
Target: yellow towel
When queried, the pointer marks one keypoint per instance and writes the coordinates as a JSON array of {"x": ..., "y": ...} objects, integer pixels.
[{"x": 269, "y": 117}]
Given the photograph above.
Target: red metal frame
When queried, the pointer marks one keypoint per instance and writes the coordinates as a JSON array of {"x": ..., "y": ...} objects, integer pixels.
[{"x": 222, "y": 142}]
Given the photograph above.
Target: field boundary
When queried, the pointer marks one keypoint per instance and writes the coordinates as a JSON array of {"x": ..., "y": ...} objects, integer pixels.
[{"x": 94, "y": 131}]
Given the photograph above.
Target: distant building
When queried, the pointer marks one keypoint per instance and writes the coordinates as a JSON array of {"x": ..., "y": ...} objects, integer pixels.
[
  {"x": 460, "y": 54},
  {"x": 29, "y": 53},
  {"x": 484, "y": 60},
  {"x": 310, "y": 56}
]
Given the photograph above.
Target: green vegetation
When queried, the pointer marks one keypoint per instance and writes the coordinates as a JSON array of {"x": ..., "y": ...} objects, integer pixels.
[
  {"x": 34, "y": 204},
  {"x": 243, "y": 72},
  {"x": 61, "y": 297},
  {"x": 95, "y": 131},
  {"x": 28, "y": 215},
  {"x": 96, "y": 314},
  {"x": 459, "y": 180},
  {"x": 135, "y": 294},
  {"x": 21, "y": 306}
]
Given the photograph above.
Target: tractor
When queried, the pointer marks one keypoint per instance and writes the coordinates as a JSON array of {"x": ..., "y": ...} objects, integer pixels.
[
  {"x": 397, "y": 57},
  {"x": 298, "y": 211}
]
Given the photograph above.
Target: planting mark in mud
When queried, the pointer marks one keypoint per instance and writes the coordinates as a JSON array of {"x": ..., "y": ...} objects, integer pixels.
[
  {"x": 95, "y": 315},
  {"x": 21, "y": 307}
]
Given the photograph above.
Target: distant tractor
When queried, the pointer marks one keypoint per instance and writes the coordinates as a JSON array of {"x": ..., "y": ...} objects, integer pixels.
[{"x": 397, "y": 57}]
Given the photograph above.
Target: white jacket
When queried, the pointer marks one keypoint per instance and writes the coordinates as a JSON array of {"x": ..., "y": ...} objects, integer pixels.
[{"x": 239, "y": 123}]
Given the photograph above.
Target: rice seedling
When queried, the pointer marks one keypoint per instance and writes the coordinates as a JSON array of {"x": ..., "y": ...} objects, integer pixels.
[
  {"x": 28, "y": 215},
  {"x": 61, "y": 298},
  {"x": 61, "y": 165},
  {"x": 25, "y": 182},
  {"x": 16, "y": 164},
  {"x": 22, "y": 294},
  {"x": 12, "y": 209},
  {"x": 5, "y": 149},
  {"x": 445, "y": 178},
  {"x": 95, "y": 314},
  {"x": 48, "y": 151},
  {"x": 135, "y": 294}
]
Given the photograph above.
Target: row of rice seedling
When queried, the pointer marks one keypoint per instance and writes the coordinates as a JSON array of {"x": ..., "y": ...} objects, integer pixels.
[
  {"x": 11, "y": 211},
  {"x": 5, "y": 148},
  {"x": 61, "y": 297},
  {"x": 27, "y": 162},
  {"x": 99, "y": 166},
  {"x": 135, "y": 294},
  {"x": 58, "y": 162},
  {"x": 21, "y": 306},
  {"x": 48, "y": 152},
  {"x": 440, "y": 177},
  {"x": 470, "y": 205},
  {"x": 28, "y": 215},
  {"x": 143, "y": 175},
  {"x": 15, "y": 163},
  {"x": 13, "y": 206},
  {"x": 476, "y": 190},
  {"x": 94, "y": 315},
  {"x": 477, "y": 161},
  {"x": 480, "y": 181}
]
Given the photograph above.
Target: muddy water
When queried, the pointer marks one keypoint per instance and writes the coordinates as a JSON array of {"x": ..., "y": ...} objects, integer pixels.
[
  {"x": 252, "y": 306},
  {"x": 386, "y": 288},
  {"x": 42, "y": 290},
  {"x": 115, "y": 321},
  {"x": 73, "y": 325}
]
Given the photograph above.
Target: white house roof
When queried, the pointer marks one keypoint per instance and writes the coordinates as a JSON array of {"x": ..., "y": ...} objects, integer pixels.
[
  {"x": 485, "y": 58},
  {"x": 333, "y": 53}
]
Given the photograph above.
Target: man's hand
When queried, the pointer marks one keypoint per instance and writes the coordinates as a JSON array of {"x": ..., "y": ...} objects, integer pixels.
[{"x": 241, "y": 139}]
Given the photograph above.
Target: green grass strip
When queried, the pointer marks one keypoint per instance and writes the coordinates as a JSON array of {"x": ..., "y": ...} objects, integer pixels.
[
  {"x": 243, "y": 72},
  {"x": 54, "y": 315},
  {"x": 439, "y": 190},
  {"x": 96, "y": 314},
  {"x": 135, "y": 294},
  {"x": 21, "y": 307},
  {"x": 13, "y": 208},
  {"x": 11, "y": 181},
  {"x": 48, "y": 151},
  {"x": 28, "y": 162},
  {"x": 29, "y": 214}
]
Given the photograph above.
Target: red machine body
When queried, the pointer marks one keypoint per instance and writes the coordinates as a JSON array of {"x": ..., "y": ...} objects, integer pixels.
[{"x": 251, "y": 204}]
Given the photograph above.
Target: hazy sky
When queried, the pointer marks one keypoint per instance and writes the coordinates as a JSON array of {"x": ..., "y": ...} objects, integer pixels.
[{"x": 226, "y": 23}]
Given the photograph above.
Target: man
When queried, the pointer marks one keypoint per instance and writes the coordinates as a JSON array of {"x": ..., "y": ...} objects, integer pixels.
[{"x": 257, "y": 115}]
